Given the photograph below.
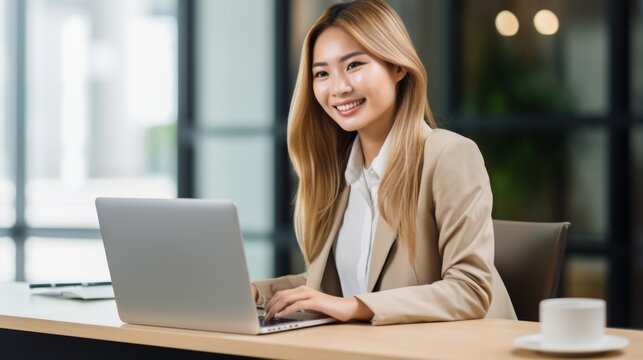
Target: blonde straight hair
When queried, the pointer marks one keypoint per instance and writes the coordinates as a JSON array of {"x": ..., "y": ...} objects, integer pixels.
[{"x": 319, "y": 148}]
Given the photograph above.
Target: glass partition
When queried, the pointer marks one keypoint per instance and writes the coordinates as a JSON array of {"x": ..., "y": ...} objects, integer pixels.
[
  {"x": 235, "y": 118},
  {"x": 550, "y": 176},
  {"x": 517, "y": 59},
  {"x": 65, "y": 260},
  {"x": 235, "y": 63},
  {"x": 240, "y": 169},
  {"x": 7, "y": 184},
  {"x": 260, "y": 258},
  {"x": 7, "y": 259},
  {"x": 101, "y": 106}
]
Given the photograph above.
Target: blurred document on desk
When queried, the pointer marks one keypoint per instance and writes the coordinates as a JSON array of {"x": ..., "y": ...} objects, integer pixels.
[{"x": 79, "y": 292}]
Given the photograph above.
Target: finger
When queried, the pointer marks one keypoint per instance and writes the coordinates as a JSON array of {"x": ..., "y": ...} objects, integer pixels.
[
  {"x": 283, "y": 301},
  {"x": 319, "y": 303},
  {"x": 275, "y": 298},
  {"x": 283, "y": 293},
  {"x": 298, "y": 306}
]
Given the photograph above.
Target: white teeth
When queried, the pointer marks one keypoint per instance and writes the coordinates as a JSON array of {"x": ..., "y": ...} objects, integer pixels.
[{"x": 347, "y": 107}]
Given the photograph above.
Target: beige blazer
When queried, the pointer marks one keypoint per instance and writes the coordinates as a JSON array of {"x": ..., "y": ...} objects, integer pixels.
[{"x": 453, "y": 276}]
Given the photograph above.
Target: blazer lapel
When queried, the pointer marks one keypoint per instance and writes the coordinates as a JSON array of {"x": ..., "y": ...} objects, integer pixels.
[
  {"x": 382, "y": 242},
  {"x": 318, "y": 266}
]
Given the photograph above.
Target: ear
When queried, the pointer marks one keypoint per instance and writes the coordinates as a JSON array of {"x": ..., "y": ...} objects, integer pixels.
[{"x": 399, "y": 73}]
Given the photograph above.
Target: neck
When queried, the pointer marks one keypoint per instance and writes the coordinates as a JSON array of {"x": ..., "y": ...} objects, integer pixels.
[{"x": 372, "y": 140}]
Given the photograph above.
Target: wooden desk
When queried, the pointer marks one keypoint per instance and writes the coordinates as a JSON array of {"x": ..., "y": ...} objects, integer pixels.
[{"x": 22, "y": 312}]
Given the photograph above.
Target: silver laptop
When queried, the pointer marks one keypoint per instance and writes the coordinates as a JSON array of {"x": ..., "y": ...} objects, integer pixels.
[{"x": 181, "y": 263}]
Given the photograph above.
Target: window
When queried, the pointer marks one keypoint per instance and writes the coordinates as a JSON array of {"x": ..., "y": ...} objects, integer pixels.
[
  {"x": 7, "y": 186},
  {"x": 101, "y": 106},
  {"x": 235, "y": 118},
  {"x": 532, "y": 71},
  {"x": 546, "y": 108},
  {"x": 550, "y": 176},
  {"x": 7, "y": 259},
  {"x": 73, "y": 259},
  {"x": 100, "y": 88},
  {"x": 7, "y": 183}
]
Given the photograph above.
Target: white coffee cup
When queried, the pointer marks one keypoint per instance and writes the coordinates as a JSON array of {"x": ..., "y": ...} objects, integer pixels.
[{"x": 572, "y": 321}]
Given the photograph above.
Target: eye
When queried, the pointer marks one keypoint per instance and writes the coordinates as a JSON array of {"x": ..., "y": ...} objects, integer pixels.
[
  {"x": 320, "y": 74},
  {"x": 353, "y": 65}
]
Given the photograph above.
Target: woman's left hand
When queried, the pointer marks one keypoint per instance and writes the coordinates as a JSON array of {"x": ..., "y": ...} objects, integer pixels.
[{"x": 304, "y": 298}]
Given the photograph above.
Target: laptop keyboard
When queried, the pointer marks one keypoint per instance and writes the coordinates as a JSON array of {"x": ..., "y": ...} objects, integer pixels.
[{"x": 274, "y": 321}]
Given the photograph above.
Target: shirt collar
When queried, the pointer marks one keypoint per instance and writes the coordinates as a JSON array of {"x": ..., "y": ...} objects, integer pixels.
[
  {"x": 379, "y": 163},
  {"x": 355, "y": 165},
  {"x": 355, "y": 162}
]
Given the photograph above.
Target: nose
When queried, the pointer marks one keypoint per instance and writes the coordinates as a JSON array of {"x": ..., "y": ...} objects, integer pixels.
[{"x": 341, "y": 86}]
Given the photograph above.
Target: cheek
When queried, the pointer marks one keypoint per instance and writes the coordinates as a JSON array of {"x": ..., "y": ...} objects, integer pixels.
[
  {"x": 377, "y": 83},
  {"x": 319, "y": 90},
  {"x": 360, "y": 82},
  {"x": 386, "y": 87}
]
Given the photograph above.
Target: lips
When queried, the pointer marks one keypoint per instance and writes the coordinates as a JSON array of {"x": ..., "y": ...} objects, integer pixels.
[{"x": 349, "y": 108}]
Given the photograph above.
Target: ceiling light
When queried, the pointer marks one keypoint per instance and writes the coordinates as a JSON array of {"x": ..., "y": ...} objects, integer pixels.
[
  {"x": 546, "y": 22},
  {"x": 507, "y": 23}
]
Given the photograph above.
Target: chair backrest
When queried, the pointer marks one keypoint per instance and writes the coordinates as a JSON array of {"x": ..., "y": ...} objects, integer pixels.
[{"x": 529, "y": 257}]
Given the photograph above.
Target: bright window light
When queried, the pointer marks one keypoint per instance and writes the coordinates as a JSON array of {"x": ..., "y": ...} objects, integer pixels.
[{"x": 65, "y": 260}]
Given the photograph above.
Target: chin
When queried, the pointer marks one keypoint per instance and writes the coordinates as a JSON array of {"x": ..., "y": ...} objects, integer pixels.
[{"x": 348, "y": 126}]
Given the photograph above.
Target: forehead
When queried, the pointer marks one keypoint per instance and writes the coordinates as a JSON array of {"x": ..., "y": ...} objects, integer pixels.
[{"x": 333, "y": 43}]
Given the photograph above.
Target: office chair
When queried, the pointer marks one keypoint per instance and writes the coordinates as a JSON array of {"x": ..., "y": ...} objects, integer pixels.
[{"x": 529, "y": 257}]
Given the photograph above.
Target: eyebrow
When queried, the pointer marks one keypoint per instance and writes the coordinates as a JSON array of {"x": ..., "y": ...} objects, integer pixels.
[{"x": 341, "y": 59}]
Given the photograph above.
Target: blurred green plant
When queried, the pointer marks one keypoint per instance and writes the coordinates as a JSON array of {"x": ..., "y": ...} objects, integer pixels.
[
  {"x": 507, "y": 81},
  {"x": 526, "y": 169},
  {"x": 526, "y": 174}
]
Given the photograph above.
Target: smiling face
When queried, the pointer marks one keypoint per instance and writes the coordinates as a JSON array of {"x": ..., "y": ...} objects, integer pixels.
[{"x": 356, "y": 89}]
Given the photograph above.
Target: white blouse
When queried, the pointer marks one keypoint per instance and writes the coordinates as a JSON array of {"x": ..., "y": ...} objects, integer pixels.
[{"x": 352, "y": 247}]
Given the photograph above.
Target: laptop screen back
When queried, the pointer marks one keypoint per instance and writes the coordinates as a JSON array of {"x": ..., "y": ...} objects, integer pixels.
[{"x": 178, "y": 263}]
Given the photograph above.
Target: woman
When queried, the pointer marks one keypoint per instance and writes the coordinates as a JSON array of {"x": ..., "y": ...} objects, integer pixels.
[{"x": 393, "y": 215}]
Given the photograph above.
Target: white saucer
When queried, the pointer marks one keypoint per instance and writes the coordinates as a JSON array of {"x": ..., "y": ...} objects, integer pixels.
[{"x": 607, "y": 343}]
